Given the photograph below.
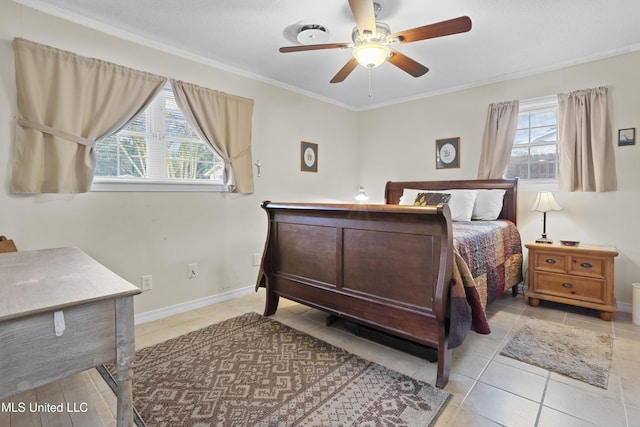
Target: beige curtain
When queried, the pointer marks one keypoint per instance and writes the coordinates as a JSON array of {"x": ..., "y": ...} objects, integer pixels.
[
  {"x": 66, "y": 103},
  {"x": 224, "y": 121},
  {"x": 587, "y": 161},
  {"x": 497, "y": 140}
]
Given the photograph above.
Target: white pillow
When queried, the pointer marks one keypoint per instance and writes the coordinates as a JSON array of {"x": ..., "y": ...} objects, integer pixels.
[
  {"x": 488, "y": 204},
  {"x": 460, "y": 204}
]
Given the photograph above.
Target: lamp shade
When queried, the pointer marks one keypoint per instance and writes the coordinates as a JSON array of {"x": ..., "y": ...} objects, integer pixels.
[
  {"x": 371, "y": 55},
  {"x": 545, "y": 202}
]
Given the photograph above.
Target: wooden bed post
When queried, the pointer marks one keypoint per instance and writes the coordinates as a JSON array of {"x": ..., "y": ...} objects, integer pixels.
[
  {"x": 444, "y": 365},
  {"x": 272, "y": 299}
]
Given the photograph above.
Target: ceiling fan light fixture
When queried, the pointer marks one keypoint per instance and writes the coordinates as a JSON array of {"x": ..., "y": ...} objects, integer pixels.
[
  {"x": 372, "y": 40},
  {"x": 371, "y": 55}
]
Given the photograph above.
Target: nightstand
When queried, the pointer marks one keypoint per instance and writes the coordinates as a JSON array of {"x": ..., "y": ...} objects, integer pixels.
[{"x": 577, "y": 275}]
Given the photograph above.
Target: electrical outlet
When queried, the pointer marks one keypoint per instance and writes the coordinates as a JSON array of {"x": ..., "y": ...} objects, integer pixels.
[
  {"x": 256, "y": 259},
  {"x": 193, "y": 271},
  {"x": 146, "y": 283}
]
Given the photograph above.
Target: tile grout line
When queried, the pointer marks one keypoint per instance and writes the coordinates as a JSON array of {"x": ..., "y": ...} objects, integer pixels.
[
  {"x": 493, "y": 355},
  {"x": 544, "y": 394}
]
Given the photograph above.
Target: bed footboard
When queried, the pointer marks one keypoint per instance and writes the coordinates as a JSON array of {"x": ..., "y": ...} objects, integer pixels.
[{"x": 387, "y": 267}]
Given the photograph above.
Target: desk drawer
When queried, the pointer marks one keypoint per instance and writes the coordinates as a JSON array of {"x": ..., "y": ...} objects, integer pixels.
[
  {"x": 31, "y": 354},
  {"x": 574, "y": 287}
]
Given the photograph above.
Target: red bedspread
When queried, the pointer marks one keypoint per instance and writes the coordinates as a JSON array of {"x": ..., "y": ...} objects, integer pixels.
[{"x": 487, "y": 262}]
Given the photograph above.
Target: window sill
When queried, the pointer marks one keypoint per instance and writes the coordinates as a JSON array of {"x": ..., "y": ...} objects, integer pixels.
[
  {"x": 119, "y": 185},
  {"x": 538, "y": 184}
]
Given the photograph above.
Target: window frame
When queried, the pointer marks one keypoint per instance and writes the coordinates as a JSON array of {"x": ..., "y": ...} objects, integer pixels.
[
  {"x": 157, "y": 162},
  {"x": 539, "y": 105}
]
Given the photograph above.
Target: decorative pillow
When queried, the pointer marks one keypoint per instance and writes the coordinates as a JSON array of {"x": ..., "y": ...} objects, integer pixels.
[
  {"x": 488, "y": 204},
  {"x": 429, "y": 199},
  {"x": 460, "y": 204},
  {"x": 409, "y": 196}
]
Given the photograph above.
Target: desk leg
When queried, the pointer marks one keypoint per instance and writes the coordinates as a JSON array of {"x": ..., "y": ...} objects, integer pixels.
[{"x": 125, "y": 353}]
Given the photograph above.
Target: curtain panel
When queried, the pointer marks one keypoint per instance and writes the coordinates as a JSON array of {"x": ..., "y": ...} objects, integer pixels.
[
  {"x": 587, "y": 161},
  {"x": 66, "y": 103},
  {"x": 497, "y": 140},
  {"x": 224, "y": 121}
]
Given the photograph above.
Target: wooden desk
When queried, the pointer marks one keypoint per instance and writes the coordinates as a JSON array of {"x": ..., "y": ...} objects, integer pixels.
[{"x": 62, "y": 312}]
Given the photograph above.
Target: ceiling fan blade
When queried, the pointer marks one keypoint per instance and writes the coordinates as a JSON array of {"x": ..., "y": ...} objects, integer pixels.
[
  {"x": 407, "y": 64},
  {"x": 439, "y": 29},
  {"x": 313, "y": 47},
  {"x": 345, "y": 71},
  {"x": 364, "y": 15}
]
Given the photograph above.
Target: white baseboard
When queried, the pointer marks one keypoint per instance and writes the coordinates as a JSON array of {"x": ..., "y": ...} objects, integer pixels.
[
  {"x": 160, "y": 313},
  {"x": 624, "y": 307}
]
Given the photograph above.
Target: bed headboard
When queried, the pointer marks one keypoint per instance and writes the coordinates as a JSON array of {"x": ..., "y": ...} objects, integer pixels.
[{"x": 393, "y": 191}]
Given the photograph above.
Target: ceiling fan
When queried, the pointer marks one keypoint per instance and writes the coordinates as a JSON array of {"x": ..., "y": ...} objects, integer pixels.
[{"x": 372, "y": 41}]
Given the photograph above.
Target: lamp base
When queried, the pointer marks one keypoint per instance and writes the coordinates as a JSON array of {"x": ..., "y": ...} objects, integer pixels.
[{"x": 544, "y": 239}]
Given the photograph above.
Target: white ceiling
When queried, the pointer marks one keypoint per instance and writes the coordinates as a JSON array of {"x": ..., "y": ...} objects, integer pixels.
[{"x": 509, "y": 38}]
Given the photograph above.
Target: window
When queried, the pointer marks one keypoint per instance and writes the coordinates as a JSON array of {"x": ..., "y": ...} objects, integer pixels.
[
  {"x": 157, "y": 151},
  {"x": 535, "y": 154}
]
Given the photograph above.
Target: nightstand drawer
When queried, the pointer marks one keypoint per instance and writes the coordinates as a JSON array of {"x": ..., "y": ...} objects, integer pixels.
[
  {"x": 550, "y": 261},
  {"x": 575, "y": 287},
  {"x": 587, "y": 266}
]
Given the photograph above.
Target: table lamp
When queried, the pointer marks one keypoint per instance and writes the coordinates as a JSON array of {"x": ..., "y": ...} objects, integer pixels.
[
  {"x": 362, "y": 195},
  {"x": 545, "y": 203}
]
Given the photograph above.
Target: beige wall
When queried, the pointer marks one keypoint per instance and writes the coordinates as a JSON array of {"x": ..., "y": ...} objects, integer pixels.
[
  {"x": 160, "y": 233},
  {"x": 398, "y": 143}
]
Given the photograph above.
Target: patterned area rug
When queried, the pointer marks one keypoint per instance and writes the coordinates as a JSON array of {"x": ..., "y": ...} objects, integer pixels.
[
  {"x": 577, "y": 353},
  {"x": 254, "y": 371}
]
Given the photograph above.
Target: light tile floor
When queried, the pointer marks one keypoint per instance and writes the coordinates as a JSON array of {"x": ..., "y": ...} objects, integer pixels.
[{"x": 488, "y": 389}]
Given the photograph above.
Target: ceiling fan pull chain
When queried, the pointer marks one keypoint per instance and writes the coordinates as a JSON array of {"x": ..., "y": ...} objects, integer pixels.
[{"x": 370, "y": 95}]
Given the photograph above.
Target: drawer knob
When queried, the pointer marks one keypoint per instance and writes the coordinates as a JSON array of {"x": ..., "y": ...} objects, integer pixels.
[
  {"x": 550, "y": 261},
  {"x": 567, "y": 285},
  {"x": 586, "y": 265}
]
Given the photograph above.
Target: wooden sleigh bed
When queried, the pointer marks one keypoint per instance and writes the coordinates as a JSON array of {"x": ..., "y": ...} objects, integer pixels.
[{"x": 391, "y": 267}]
